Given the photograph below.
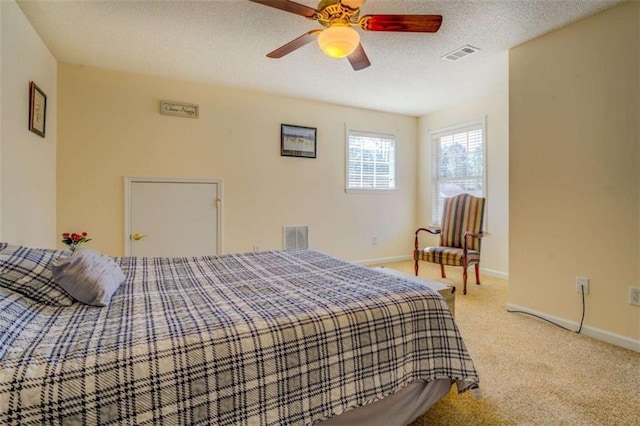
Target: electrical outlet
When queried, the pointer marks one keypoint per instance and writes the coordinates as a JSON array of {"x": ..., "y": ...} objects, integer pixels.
[
  {"x": 374, "y": 240},
  {"x": 634, "y": 296},
  {"x": 582, "y": 283}
]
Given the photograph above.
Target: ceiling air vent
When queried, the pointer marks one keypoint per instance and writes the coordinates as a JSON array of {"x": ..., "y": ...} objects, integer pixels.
[{"x": 461, "y": 53}]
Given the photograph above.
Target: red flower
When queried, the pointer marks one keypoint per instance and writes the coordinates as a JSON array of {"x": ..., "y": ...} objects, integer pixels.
[{"x": 73, "y": 240}]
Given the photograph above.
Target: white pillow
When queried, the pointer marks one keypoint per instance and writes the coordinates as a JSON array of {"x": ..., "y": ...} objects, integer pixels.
[{"x": 88, "y": 276}]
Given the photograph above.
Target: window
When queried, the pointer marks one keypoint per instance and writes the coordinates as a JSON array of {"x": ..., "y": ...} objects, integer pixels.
[
  {"x": 457, "y": 163},
  {"x": 371, "y": 161}
]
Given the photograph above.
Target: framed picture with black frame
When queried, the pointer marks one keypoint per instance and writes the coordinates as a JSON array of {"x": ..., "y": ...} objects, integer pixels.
[
  {"x": 298, "y": 141},
  {"x": 37, "y": 109}
]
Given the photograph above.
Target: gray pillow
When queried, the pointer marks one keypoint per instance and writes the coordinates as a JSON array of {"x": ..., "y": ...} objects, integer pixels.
[{"x": 88, "y": 276}]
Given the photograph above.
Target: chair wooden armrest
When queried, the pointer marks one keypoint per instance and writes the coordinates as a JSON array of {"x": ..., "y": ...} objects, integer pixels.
[
  {"x": 416, "y": 246},
  {"x": 431, "y": 229},
  {"x": 474, "y": 234},
  {"x": 478, "y": 235}
]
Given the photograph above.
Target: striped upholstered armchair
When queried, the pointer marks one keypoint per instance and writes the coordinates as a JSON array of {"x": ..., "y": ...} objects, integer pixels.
[{"x": 460, "y": 236}]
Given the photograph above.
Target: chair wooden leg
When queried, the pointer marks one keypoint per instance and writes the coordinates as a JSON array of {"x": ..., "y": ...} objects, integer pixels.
[
  {"x": 415, "y": 259},
  {"x": 464, "y": 279},
  {"x": 442, "y": 271},
  {"x": 477, "y": 265}
]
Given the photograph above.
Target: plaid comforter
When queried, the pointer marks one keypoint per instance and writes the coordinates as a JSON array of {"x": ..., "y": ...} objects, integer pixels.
[{"x": 256, "y": 338}]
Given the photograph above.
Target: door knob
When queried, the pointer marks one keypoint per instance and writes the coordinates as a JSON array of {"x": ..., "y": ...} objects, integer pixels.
[{"x": 137, "y": 236}]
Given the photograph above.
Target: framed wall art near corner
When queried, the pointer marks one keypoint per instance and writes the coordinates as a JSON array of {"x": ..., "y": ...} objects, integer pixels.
[
  {"x": 37, "y": 109},
  {"x": 297, "y": 141}
]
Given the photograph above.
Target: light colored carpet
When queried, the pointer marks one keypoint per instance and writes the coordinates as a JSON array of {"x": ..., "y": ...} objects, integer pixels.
[{"x": 531, "y": 372}]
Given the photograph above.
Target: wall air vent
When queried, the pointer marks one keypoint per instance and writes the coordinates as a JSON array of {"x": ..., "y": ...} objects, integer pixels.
[
  {"x": 295, "y": 237},
  {"x": 461, "y": 53}
]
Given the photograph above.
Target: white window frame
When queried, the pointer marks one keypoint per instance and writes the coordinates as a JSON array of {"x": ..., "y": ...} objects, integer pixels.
[
  {"x": 374, "y": 134},
  {"x": 434, "y": 136}
]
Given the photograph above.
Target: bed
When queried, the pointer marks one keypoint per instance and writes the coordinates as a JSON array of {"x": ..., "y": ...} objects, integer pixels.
[{"x": 279, "y": 337}]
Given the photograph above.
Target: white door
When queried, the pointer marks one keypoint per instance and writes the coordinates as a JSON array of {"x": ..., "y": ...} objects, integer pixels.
[{"x": 172, "y": 218}]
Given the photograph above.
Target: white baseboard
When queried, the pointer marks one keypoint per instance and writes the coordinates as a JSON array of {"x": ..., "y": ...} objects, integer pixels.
[
  {"x": 596, "y": 333},
  {"x": 492, "y": 273},
  {"x": 383, "y": 260},
  {"x": 366, "y": 262}
]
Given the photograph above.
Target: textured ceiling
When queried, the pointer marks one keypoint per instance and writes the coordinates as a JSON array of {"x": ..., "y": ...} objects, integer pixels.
[{"x": 225, "y": 42}]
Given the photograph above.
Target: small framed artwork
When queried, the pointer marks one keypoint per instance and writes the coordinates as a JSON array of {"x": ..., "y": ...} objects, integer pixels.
[
  {"x": 37, "y": 109},
  {"x": 297, "y": 141}
]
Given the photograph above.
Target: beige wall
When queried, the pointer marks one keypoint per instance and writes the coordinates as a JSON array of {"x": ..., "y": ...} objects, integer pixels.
[
  {"x": 495, "y": 256},
  {"x": 110, "y": 127},
  {"x": 27, "y": 161},
  {"x": 574, "y": 161},
  {"x": 1, "y": 121}
]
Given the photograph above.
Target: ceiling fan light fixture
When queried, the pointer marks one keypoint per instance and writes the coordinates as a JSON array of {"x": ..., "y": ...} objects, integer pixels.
[
  {"x": 338, "y": 41},
  {"x": 353, "y": 4}
]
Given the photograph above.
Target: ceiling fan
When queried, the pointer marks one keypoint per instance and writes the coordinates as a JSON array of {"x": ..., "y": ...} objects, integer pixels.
[{"x": 338, "y": 39}]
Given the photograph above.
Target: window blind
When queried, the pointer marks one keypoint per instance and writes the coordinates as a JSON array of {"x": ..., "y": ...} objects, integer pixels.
[
  {"x": 458, "y": 164},
  {"x": 371, "y": 161}
]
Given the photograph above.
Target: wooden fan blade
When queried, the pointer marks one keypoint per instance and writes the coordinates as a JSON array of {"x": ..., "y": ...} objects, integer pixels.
[
  {"x": 289, "y": 6},
  {"x": 403, "y": 23},
  {"x": 294, "y": 44},
  {"x": 358, "y": 58}
]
